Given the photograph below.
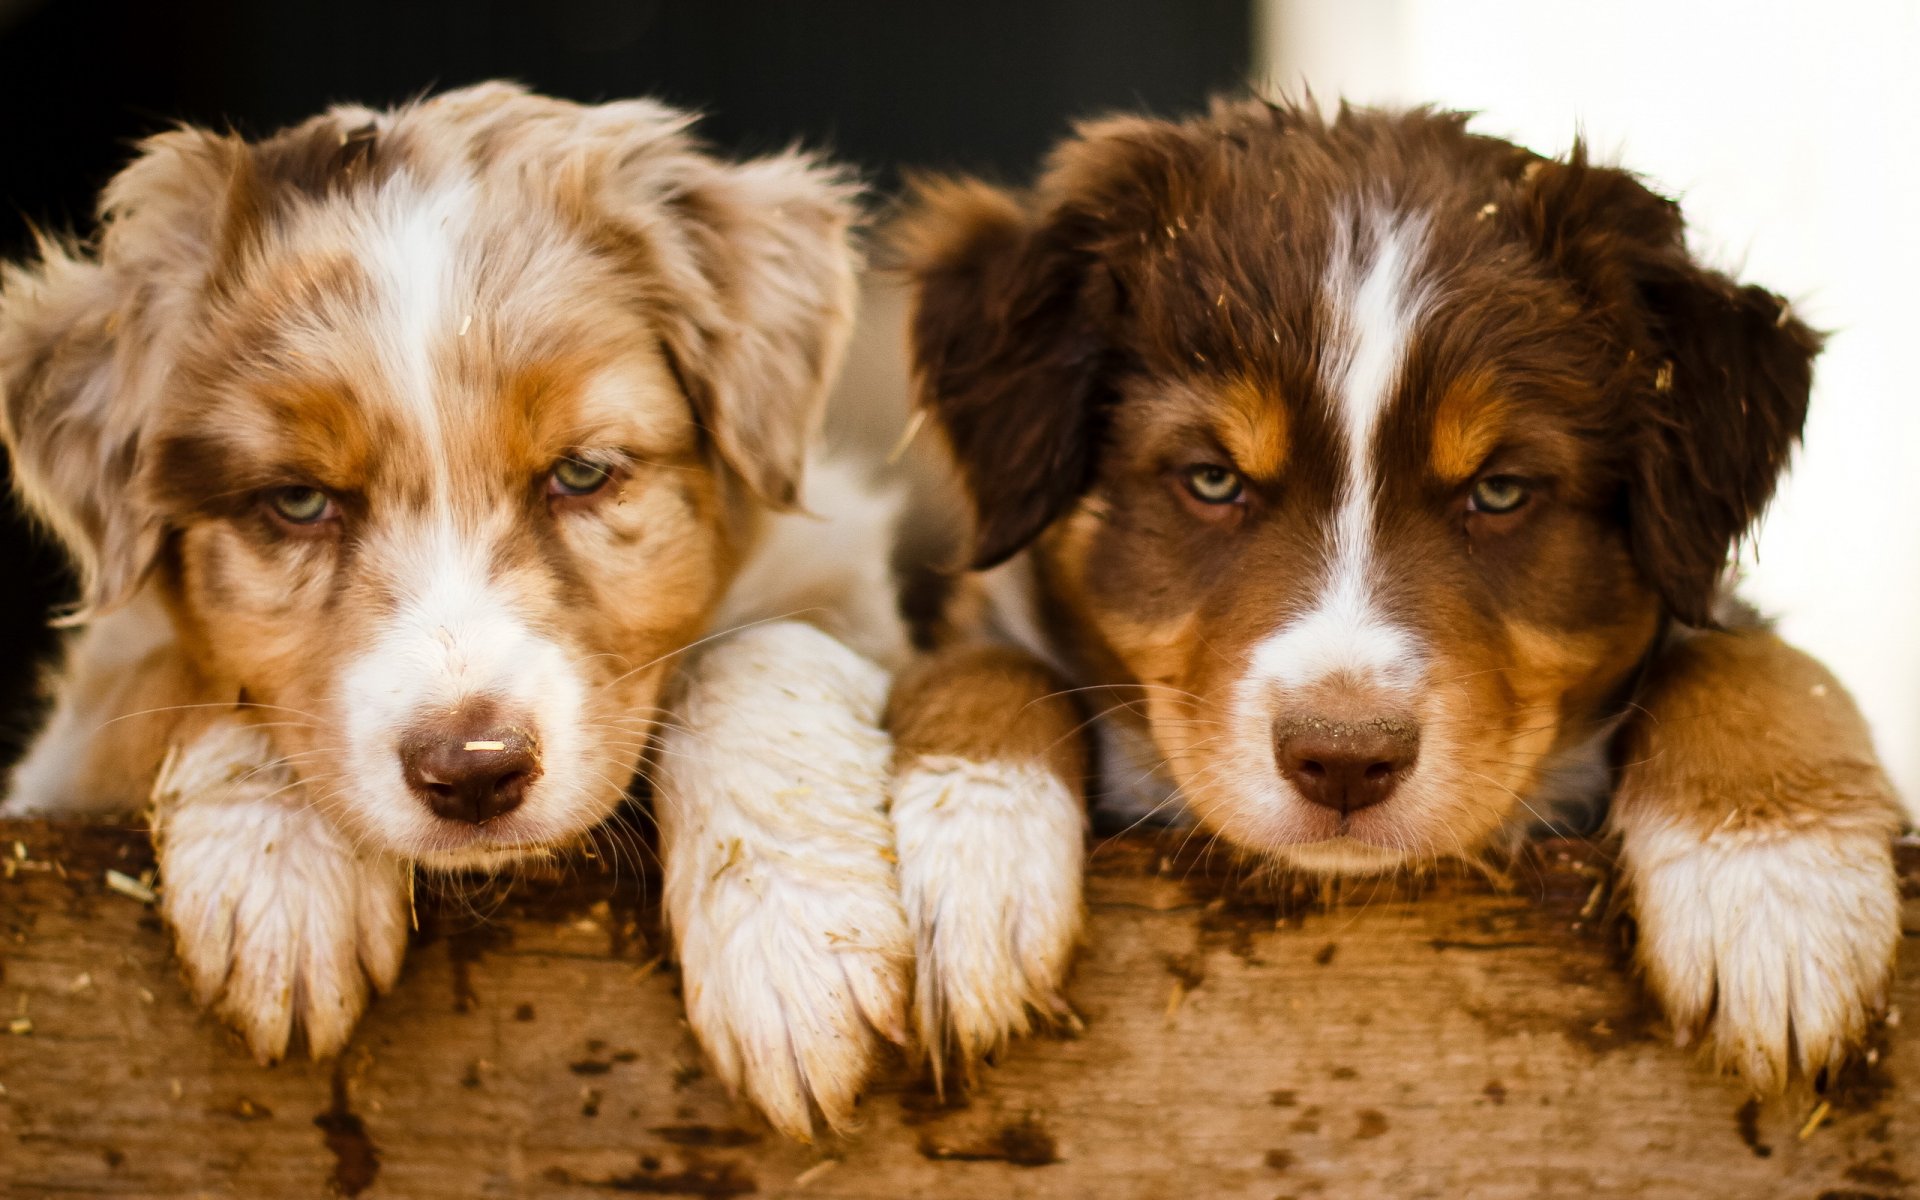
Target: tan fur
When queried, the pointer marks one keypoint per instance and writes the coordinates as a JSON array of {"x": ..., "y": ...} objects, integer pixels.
[
  {"x": 1252, "y": 430},
  {"x": 1367, "y": 315},
  {"x": 1467, "y": 427},
  {"x": 422, "y": 312},
  {"x": 988, "y": 809},
  {"x": 1742, "y": 731},
  {"x": 1755, "y": 825},
  {"x": 986, "y": 702}
]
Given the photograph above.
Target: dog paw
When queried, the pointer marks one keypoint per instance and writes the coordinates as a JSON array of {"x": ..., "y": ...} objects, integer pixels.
[
  {"x": 795, "y": 988},
  {"x": 780, "y": 881},
  {"x": 990, "y": 873},
  {"x": 1772, "y": 948},
  {"x": 279, "y": 922}
]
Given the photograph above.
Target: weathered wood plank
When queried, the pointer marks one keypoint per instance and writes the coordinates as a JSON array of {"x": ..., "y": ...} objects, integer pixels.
[{"x": 1463, "y": 1042}]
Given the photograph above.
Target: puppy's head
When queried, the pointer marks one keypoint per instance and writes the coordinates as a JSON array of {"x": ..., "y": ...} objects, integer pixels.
[
  {"x": 439, "y": 430},
  {"x": 1370, "y": 449}
]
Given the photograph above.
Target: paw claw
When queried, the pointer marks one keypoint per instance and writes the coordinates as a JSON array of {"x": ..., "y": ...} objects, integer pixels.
[
  {"x": 792, "y": 1017},
  {"x": 780, "y": 885},
  {"x": 1771, "y": 953},
  {"x": 790, "y": 1020},
  {"x": 994, "y": 934},
  {"x": 279, "y": 924}
]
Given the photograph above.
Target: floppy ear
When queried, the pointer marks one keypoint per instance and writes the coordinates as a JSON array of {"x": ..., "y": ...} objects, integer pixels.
[
  {"x": 85, "y": 339},
  {"x": 1717, "y": 378},
  {"x": 1005, "y": 355},
  {"x": 758, "y": 356},
  {"x": 1017, "y": 301},
  {"x": 747, "y": 268}
]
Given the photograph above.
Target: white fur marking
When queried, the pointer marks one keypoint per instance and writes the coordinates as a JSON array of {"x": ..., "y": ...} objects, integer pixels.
[
  {"x": 1779, "y": 943},
  {"x": 280, "y": 921},
  {"x": 849, "y": 590},
  {"x": 453, "y": 639},
  {"x": 1012, "y": 592},
  {"x": 990, "y": 862},
  {"x": 780, "y": 886},
  {"x": 1376, "y": 301},
  {"x": 416, "y": 248},
  {"x": 112, "y": 646}
]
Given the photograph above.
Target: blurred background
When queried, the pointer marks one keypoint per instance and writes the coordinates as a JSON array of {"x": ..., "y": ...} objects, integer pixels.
[{"x": 1788, "y": 131}]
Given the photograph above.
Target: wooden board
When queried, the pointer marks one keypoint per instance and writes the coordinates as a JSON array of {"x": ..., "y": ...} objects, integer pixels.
[{"x": 1467, "y": 1041}]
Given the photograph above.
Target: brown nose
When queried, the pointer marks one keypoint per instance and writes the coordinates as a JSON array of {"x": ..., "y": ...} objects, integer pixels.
[
  {"x": 470, "y": 766},
  {"x": 1346, "y": 765}
]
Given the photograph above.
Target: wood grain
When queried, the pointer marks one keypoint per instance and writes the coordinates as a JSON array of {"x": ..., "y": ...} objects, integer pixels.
[{"x": 1242, "y": 1038}]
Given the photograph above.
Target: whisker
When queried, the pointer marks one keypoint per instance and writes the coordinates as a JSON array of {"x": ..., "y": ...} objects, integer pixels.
[{"x": 715, "y": 636}]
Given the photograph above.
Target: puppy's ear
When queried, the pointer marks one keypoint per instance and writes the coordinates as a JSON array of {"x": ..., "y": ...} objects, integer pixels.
[
  {"x": 86, "y": 335},
  {"x": 1005, "y": 354},
  {"x": 1017, "y": 307},
  {"x": 758, "y": 359},
  {"x": 1716, "y": 375},
  {"x": 747, "y": 269}
]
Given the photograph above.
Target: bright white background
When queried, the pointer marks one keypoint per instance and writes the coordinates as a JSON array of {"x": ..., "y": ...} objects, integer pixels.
[{"x": 1791, "y": 135}]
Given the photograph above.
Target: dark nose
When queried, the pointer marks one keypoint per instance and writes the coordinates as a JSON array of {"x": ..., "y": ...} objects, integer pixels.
[
  {"x": 1346, "y": 765},
  {"x": 470, "y": 766}
]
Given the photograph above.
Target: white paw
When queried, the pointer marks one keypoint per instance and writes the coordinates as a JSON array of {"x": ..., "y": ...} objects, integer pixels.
[
  {"x": 990, "y": 872},
  {"x": 795, "y": 978},
  {"x": 278, "y": 920},
  {"x": 1774, "y": 947},
  {"x": 780, "y": 884}
]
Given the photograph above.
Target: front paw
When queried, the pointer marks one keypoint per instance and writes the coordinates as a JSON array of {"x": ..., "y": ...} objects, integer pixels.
[
  {"x": 780, "y": 883},
  {"x": 278, "y": 920},
  {"x": 1773, "y": 947},
  {"x": 796, "y": 976},
  {"x": 990, "y": 872}
]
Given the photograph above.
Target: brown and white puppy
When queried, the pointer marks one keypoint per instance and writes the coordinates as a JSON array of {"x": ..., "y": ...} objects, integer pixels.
[
  {"x": 1389, "y": 474},
  {"x": 403, "y": 453}
]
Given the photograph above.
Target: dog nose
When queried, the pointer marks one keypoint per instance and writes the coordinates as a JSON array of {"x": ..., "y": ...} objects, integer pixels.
[
  {"x": 1346, "y": 765},
  {"x": 470, "y": 770}
]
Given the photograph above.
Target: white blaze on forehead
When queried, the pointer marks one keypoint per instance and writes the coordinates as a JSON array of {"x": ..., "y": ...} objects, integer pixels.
[
  {"x": 457, "y": 628},
  {"x": 1373, "y": 293},
  {"x": 414, "y": 252}
]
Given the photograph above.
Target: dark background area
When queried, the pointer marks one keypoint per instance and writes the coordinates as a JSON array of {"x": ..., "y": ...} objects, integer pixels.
[{"x": 984, "y": 85}]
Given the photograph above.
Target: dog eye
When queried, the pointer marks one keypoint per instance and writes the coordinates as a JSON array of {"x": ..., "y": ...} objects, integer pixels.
[
  {"x": 1498, "y": 494},
  {"x": 573, "y": 477},
  {"x": 1212, "y": 483},
  {"x": 301, "y": 505}
]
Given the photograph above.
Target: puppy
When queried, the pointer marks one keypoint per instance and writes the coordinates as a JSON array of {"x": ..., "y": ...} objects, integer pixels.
[
  {"x": 1386, "y": 477},
  {"x": 404, "y": 456}
]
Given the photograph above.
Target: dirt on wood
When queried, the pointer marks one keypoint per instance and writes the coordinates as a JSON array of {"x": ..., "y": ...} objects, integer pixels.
[{"x": 1240, "y": 1034}]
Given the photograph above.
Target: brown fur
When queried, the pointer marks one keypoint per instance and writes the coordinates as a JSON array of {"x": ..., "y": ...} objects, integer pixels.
[
  {"x": 1152, "y": 303},
  {"x": 987, "y": 762},
  {"x": 241, "y": 325},
  {"x": 1166, "y": 298},
  {"x": 985, "y": 704},
  {"x": 1745, "y": 733}
]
